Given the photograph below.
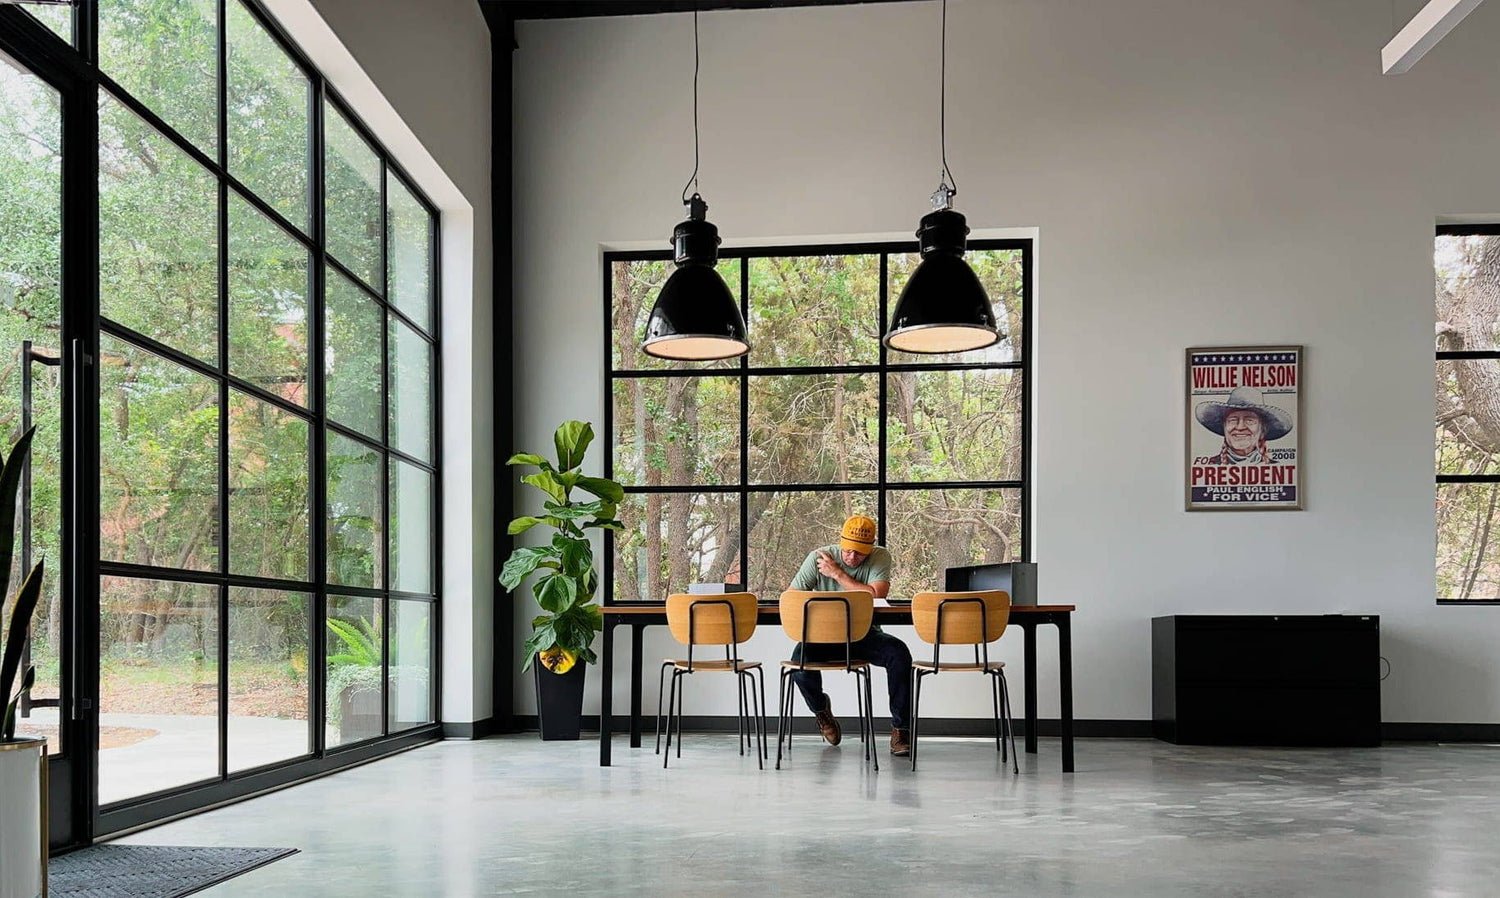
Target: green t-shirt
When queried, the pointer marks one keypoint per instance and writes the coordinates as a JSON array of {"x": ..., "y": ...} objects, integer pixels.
[{"x": 875, "y": 568}]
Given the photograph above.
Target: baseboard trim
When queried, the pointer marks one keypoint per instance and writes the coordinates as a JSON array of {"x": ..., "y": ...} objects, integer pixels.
[
  {"x": 476, "y": 730},
  {"x": 931, "y": 726},
  {"x": 1440, "y": 732}
]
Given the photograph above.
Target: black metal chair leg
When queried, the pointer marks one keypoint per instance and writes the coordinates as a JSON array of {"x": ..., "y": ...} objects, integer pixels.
[
  {"x": 916, "y": 713},
  {"x": 1005, "y": 692},
  {"x": 671, "y": 704},
  {"x": 681, "y": 691},
  {"x": 743, "y": 719},
  {"x": 995, "y": 694},
  {"x": 764, "y": 751},
  {"x": 661, "y": 679},
  {"x": 870, "y": 719},
  {"x": 781, "y": 722}
]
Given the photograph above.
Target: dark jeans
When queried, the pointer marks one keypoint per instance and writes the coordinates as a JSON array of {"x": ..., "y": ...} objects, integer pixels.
[{"x": 878, "y": 648}]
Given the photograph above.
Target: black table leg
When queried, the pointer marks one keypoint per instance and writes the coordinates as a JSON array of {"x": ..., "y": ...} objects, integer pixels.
[
  {"x": 1029, "y": 660},
  {"x": 637, "y": 631},
  {"x": 1065, "y": 685},
  {"x": 606, "y": 691}
]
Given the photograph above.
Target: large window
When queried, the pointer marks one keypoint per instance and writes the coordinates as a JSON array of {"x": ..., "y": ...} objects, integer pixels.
[
  {"x": 1467, "y": 263},
  {"x": 735, "y": 470},
  {"x": 266, "y": 353}
]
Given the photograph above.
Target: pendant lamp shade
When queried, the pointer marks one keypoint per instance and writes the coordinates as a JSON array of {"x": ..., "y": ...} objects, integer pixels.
[
  {"x": 943, "y": 307},
  {"x": 696, "y": 318}
]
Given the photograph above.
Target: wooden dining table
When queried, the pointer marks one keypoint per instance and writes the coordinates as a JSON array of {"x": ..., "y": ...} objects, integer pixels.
[{"x": 639, "y": 616}]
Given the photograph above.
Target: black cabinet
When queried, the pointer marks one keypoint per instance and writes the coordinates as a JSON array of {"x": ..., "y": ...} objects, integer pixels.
[{"x": 1266, "y": 679}]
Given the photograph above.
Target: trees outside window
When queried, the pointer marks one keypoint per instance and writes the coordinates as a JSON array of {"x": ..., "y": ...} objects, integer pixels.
[
  {"x": 735, "y": 470},
  {"x": 1466, "y": 261}
]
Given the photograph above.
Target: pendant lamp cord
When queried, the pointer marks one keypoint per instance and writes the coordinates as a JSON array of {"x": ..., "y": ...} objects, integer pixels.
[
  {"x": 693, "y": 181},
  {"x": 948, "y": 182}
]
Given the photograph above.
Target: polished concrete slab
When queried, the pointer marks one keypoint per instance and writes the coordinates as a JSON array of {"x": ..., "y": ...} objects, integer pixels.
[{"x": 514, "y": 815}]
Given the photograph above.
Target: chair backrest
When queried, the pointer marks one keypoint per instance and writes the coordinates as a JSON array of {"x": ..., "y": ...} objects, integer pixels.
[
  {"x": 706, "y": 619},
  {"x": 967, "y": 618},
  {"x": 829, "y": 616}
]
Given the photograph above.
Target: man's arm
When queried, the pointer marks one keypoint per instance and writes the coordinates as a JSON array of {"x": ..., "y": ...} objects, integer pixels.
[
  {"x": 831, "y": 568},
  {"x": 807, "y": 576}
]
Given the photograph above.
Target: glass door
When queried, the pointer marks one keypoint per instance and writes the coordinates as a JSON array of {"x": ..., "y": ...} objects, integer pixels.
[{"x": 35, "y": 392}]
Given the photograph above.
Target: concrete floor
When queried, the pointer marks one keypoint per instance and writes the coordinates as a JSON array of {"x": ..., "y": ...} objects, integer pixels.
[{"x": 1140, "y": 818}]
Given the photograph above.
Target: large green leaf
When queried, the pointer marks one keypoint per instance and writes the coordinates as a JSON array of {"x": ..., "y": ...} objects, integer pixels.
[
  {"x": 545, "y": 482},
  {"x": 572, "y": 440},
  {"x": 603, "y": 488},
  {"x": 541, "y": 639},
  {"x": 577, "y": 557},
  {"x": 526, "y": 458},
  {"x": 605, "y": 524},
  {"x": 523, "y": 524},
  {"x": 523, "y": 561},
  {"x": 556, "y": 592}
]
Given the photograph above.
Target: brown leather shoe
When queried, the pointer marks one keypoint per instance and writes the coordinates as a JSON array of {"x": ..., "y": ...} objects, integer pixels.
[
  {"x": 900, "y": 743},
  {"x": 828, "y": 725}
]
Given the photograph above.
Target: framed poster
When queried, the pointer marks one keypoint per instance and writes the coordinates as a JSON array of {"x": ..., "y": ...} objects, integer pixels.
[{"x": 1244, "y": 428}]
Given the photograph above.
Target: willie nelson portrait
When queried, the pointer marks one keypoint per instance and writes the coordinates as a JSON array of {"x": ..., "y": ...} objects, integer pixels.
[{"x": 1247, "y": 424}]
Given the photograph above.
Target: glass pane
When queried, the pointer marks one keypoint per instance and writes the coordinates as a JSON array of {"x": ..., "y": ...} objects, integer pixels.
[
  {"x": 355, "y": 543},
  {"x": 268, "y": 658},
  {"x": 166, "y": 54},
  {"x": 677, "y": 431},
  {"x": 267, "y": 304},
  {"x": 1468, "y": 274},
  {"x": 351, "y": 356},
  {"x": 1001, "y": 271},
  {"x": 785, "y": 527},
  {"x": 351, "y": 197},
  {"x": 269, "y": 129},
  {"x": 410, "y": 232},
  {"x": 57, "y": 18},
  {"x": 1468, "y": 557},
  {"x": 411, "y": 392},
  {"x": 695, "y": 539},
  {"x": 953, "y": 425},
  {"x": 268, "y": 490},
  {"x": 158, "y": 451},
  {"x": 1468, "y": 432},
  {"x": 815, "y": 310},
  {"x": 633, "y": 290},
  {"x": 930, "y": 530},
  {"x": 411, "y": 528},
  {"x": 814, "y": 428},
  {"x": 30, "y": 348},
  {"x": 158, "y": 686},
  {"x": 356, "y": 635},
  {"x": 410, "y": 687},
  {"x": 158, "y": 236}
]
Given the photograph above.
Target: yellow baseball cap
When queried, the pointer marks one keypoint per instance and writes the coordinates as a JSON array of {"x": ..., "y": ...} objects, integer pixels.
[{"x": 858, "y": 534}]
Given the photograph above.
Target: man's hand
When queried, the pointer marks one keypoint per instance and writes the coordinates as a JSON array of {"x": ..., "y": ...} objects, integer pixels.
[{"x": 828, "y": 567}]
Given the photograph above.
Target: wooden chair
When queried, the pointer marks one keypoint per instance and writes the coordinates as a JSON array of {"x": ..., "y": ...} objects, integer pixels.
[
  {"x": 826, "y": 618},
  {"x": 964, "y": 618},
  {"x": 721, "y": 621}
]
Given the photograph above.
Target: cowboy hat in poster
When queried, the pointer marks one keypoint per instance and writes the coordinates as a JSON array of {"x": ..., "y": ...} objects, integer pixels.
[{"x": 1244, "y": 428}]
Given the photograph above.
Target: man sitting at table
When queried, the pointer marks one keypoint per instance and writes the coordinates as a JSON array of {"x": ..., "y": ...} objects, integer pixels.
[{"x": 856, "y": 564}]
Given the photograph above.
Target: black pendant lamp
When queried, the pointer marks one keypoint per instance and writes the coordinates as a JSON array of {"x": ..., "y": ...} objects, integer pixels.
[
  {"x": 695, "y": 318},
  {"x": 943, "y": 307}
]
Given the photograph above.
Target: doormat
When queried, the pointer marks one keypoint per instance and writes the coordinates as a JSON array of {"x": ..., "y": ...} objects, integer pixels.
[{"x": 151, "y": 871}]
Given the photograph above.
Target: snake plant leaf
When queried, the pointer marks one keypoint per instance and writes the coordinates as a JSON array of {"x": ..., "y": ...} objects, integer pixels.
[
  {"x": 20, "y": 626},
  {"x": 572, "y": 440},
  {"x": 10, "y": 486},
  {"x": 603, "y": 488}
]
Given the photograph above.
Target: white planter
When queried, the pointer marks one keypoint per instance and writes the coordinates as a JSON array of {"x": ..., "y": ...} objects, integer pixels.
[{"x": 23, "y": 831}]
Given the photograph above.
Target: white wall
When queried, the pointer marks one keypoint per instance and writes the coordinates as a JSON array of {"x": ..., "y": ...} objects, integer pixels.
[
  {"x": 419, "y": 76},
  {"x": 1199, "y": 172}
]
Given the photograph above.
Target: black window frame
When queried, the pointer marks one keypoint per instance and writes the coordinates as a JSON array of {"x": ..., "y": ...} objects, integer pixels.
[
  {"x": 745, "y": 368},
  {"x": 1467, "y": 230},
  {"x": 32, "y": 40}
]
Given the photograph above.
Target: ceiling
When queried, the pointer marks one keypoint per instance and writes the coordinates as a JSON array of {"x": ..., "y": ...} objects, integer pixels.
[{"x": 517, "y": 10}]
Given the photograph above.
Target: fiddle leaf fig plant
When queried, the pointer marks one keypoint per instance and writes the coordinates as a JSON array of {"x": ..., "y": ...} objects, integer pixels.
[
  {"x": 565, "y": 579},
  {"x": 26, "y": 597}
]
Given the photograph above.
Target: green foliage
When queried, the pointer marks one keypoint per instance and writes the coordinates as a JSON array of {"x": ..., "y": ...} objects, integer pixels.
[
  {"x": 568, "y": 582},
  {"x": 361, "y": 642},
  {"x": 26, "y": 599}
]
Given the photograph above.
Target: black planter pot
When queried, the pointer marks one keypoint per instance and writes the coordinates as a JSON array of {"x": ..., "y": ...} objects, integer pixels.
[{"x": 559, "y": 701}]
